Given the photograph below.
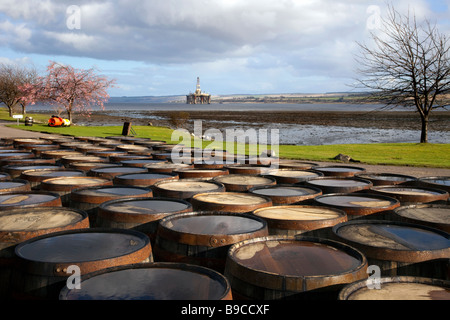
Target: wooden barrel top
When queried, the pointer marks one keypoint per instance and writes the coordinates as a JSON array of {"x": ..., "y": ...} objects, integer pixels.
[
  {"x": 143, "y": 179},
  {"x": 229, "y": 201},
  {"x": 16, "y": 200},
  {"x": 386, "y": 178},
  {"x": 286, "y": 194},
  {"x": 112, "y": 171},
  {"x": 396, "y": 241},
  {"x": 290, "y": 175},
  {"x": 398, "y": 288},
  {"x": 164, "y": 166},
  {"x": 442, "y": 182},
  {"x": 188, "y": 185},
  {"x": 433, "y": 215},
  {"x": 242, "y": 183},
  {"x": 22, "y": 224},
  {"x": 339, "y": 184},
  {"x": 14, "y": 185},
  {"x": 339, "y": 170},
  {"x": 143, "y": 282},
  {"x": 58, "y": 154},
  {"x": 70, "y": 183},
  {"x": 295, "y": 264},
  {"x": 107, "y": 248},
  {"x": 200, "y": 173},
  {"x": 296, "y": 164},
  {"x": 105, "y": 193},
  {"x": 248, "y": 169},
  {"x": 411, "y": 194},
  {"x": 358, "y": 204}
]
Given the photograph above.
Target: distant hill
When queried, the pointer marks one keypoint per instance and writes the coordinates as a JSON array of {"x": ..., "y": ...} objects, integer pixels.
[{"x": 147, "y": 99}]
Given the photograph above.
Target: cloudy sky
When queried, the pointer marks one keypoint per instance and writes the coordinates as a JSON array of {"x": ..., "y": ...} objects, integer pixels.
[{"x": 159, "y": 47}]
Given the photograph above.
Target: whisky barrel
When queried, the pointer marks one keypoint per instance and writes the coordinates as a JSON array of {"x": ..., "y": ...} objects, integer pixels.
[
  {"x": 360, "y": 205},
  {"x": 432, "y": 215},
  {"x": 296, "y": 219},
  {"x": 36, "y": 176},
  {"x": 285, "y": 194},
  {"x": 24, "y": 141},
  {"x": 296, "y": 164},
  {"x": 64, "y": 185},
  {"x": 339, "y": 184},
  {"x": 200, "y": 173},
  {"x": 339, "y": 171},
  {"x": 89, "y": 199},
  {"x": 45, "y": 261},
  {"x": 295, "y": 267},
  {"x": 203, "y": 238},
  {"x": 67, "y": 160},
  {"x": 229, "y": 202},
  {"x": 15, "y": 185},
  {"x": 398, "y": 288},
  {"x": 143, "y": 282},
  {"x": 291, "y": 176},
  {"x": 167, "y": 166},
  {"x": 146, "y": 179},
  {"x": 113, "y": 171},
  {"x": 248, "y": 169},
  {"x": 27, "y": 162},
  {"x": 386, "y": 179},
  {"x": 243, "y": 183},
  {"x": 186, "y": 188},
  {"x": 19, "y": 225},
  {"x": 58, "y": 154},
  {"x": 441, "y": 182},
  {"x": 16, "y": 170},
  {"x": 106, "y": 153},
  {"x": 37, "y": 149},
  {"x": 411, "y": 195},
  {"x": 142, "y": 214},
  {"x": 122, "y": 157},
  {"x": 29, "y": 199},
  {"x": 15, "y": 155},
  {"x": 140, "y": 162},
  {"x": 4, "y": 176},
  {"x": 86, "y": 166},
  {"x": 399, "y": 248}
]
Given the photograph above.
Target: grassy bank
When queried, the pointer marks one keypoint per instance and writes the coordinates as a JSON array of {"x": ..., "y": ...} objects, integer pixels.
[{"x": 405, "y": 154}]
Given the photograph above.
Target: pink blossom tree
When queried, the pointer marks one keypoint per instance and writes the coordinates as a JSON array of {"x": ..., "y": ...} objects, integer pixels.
[{"x": 77, "y": 90}]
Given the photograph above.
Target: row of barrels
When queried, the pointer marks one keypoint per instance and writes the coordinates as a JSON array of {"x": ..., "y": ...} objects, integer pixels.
[{"x": 122, "y": 211}]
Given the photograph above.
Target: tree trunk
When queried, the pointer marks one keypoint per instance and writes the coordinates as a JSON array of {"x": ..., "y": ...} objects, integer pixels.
[
  {"x": 424, "y": 133},
  {"x": 24, "y": 112},
  {"x": 10, "y": 109}
]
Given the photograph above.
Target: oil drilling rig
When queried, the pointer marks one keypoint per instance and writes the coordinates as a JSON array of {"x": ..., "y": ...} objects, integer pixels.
[{"x": 198, "y": 97}]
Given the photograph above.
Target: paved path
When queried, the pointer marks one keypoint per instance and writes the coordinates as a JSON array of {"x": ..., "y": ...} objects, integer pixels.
[{"x": 6, "y": 132}]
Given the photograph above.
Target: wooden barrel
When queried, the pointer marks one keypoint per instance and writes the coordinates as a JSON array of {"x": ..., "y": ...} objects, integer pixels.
[
  {"x": 143, "y": 282},
  {"x": 122, "y": 157},
  {"x": 89, "y": 199},
  {"x": 67, "y": 160},
  {"x": 398, "y": 288},
  {"x": 291, "y": 176},
  {"x": 203, "y": 238},
  {"x": 87, "y": 166},
  {"x": 113, "y": 171},
  {"x": 19, "y": 225},
  {"x": 248, "y": 169},
  {"x": 243, "y": 183},
  {"x": 200, "y": 173},
  {"x": 229, "y": 202},
  {"x": 386, "y": 179},
  {"x": 16, "y": 170},
  {"x": 27, "y": 162},
  {"x": 296, "y": 164},
  {"x": 5, "y": 176},
  {"x": 16, "y": 155},
  {"x": 140, "y": 162},
  {"x": 107, "y": 153},
  {"x": 442, "y": 182},
  {"x": 398, "y": 248},
  {"x": 167, "y": 166},
  {"x": 282, "y": 267},
  {"x": 134, "y": 148},
  {"x": 58, "y": 154},
  {"x": 339, "y": 171},
  {"x": 29, "y": 199},
  {"x": 15, "y": 185},
  {"x": 24, "y": 141},
  {"x": 64, "y": 185},
  {"x": 285, "y": 194},
  {"x": 432, "y": 215},
  {"x": 45, "y": 261},
  {"x": 143, "y": 179},
  {"x": 36, "y": 176},
  {"x": 296, "y": 219},
  {"x": 360, "y": 205},
  {"x": 186, "y": 188},
  {"x": 38, "y": 148},
  {"x": 411, "y": 195},
  {"x": 339, "y": 184},
  {"x": 142, "y": 214}
]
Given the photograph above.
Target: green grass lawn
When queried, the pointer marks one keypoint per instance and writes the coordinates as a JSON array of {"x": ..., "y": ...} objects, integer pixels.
[{"x": 409, "y": 154}]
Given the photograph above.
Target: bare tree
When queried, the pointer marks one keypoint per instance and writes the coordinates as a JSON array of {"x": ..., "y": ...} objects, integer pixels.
[
  {"x": 13, "y": 79},
  {"x": 408, "y": 66}
]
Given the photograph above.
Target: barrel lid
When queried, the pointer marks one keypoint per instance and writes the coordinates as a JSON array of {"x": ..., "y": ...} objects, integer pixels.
[
  {"x": 358, "y": 203},
  {"x": 8, "y": 155},
  {"x": 16, "y": 184},
  {"x": 411, "y": 194},
  {"x": 285, "y": 191},
  {"x": 40, "y": 218},
  {"x": 4, "y": 176},
  {"x": 435, "y": 215},
  {"x": 339, "y": 182},
  {"x": 299, "y": 213},
  {"x": 248, "y": 169},
  {"x": 298, "y": 164},
  {"x": 117, "y": 169},
  {"x": 212, "y": 223},
  {"x": 231, "y": 198},
  {"x": 157, "y": 206},
  {"x": 293, "y": 173},
  {"x": 141, "y": 162},
  {"x": 30, "y": 141},
  {"x": 242, "y": 179},
  {"x": 339, "y": 170},
  {"x": 386, "y": 178},
  {"x": 398, "y": 288},
  {"x": 397, "y": 241},
  {"x": 437, "y": 182},
  {"x": 111, "y": 191},
  {"x": 162, "y": 164},
  {"x": 144, "y": 179},
  {"x": 288, "y": 263},
  {"x": 107, "y": 247},
  {"x": 143, "y": 282},
  {"x": 26, "y": 198},
  {"x": 74, "y": 181}
]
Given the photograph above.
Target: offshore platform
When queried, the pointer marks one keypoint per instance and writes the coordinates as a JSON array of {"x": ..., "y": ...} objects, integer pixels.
[{"x": 198, "y": 97}]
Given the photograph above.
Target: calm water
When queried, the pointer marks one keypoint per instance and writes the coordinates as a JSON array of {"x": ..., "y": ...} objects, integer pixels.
[{"x": 288, "y": 133}]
